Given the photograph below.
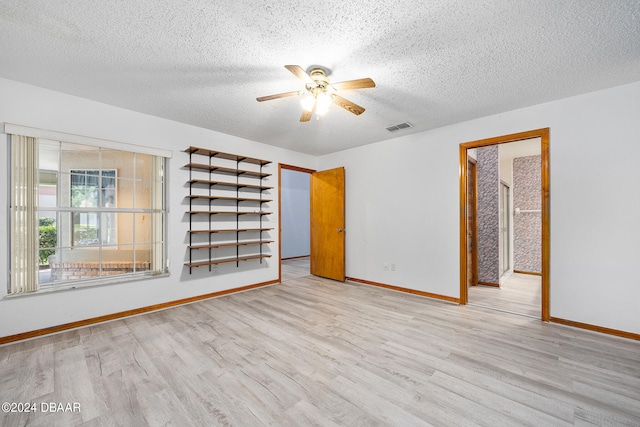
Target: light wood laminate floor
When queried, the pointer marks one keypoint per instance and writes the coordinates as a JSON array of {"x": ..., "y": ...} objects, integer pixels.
[
  {"x": 312, "y": 351},
  {"x": 519, "y": 293},
  {"x": 295, "y": 268}
]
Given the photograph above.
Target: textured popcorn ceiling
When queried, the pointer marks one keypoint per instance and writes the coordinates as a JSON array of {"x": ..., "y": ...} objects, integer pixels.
[{"x": 435, "y": 62}]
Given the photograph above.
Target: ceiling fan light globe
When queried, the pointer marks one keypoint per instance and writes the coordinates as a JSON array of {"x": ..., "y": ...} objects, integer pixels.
[
  {"x": 324, "y": 101},
  {"x": 307, "y": 102}
]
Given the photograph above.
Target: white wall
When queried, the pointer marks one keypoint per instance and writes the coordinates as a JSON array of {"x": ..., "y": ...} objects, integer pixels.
[
  {"x": 32, "y": 106},
  {"x": 506, "y": 169},
  {"x": 295, "y": 213},
  {"x": 403, "y": 205}
]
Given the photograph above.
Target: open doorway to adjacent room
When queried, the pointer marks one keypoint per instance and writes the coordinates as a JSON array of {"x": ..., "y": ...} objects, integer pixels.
[
  {"x": 294, "y": 208},
  {"x": 505, "y": 223}
]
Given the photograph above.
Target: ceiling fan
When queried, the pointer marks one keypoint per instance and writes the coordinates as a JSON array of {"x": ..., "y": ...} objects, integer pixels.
[{"x": 319, "y": 92}]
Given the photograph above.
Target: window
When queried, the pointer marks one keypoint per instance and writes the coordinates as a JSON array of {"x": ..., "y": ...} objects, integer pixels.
[
  {"x": 93, "y": 189},
  {"x": 84, "y": 212}
]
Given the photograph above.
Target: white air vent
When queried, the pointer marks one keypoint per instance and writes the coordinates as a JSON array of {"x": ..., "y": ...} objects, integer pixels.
[{"x": 400, "y": 126}]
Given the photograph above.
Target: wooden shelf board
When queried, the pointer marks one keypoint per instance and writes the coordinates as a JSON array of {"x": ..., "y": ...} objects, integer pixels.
[
  {"x": 229, "y": 184},
  {"x": 226, "y": 213},
  {"x": 219, "y": 169},
  {"x": 227, "y": 156},
  {"x": 224, "y": 245},
  {"x": 210, "y": 213},
  {"x": 239, "y": 230},
  {"x": 240, "y": 199},
  {"x": 224, "y": 260}
]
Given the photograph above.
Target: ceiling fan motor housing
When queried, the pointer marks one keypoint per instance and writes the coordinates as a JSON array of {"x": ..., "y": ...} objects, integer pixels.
[{"x": 319, "y": 76}]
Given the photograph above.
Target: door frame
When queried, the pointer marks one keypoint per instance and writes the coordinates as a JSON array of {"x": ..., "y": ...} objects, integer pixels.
[
  {"x": 293, "y": 168},
  {"x": 474, "y": 222},
  {"x": 505, "y": 228},
  {"x": 543, "y": 134}
]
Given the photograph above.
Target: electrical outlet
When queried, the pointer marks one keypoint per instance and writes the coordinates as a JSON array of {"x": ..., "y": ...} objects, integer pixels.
[{"x": 393, "y": 267}]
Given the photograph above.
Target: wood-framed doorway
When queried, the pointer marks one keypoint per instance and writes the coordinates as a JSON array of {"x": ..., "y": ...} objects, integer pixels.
[
  {"x": 327, "y": 221},
  {"x": 543, "y": 134},
  {"x": 293, "y": 168}
]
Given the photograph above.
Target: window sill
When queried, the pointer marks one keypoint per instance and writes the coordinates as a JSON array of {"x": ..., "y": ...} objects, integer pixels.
[{"x": 85, "y": 284}]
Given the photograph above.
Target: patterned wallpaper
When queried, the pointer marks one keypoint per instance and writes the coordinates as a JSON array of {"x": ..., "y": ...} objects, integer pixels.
[
  {"x": 527, "y": 227},
  {"x": 488, "y": 215}
]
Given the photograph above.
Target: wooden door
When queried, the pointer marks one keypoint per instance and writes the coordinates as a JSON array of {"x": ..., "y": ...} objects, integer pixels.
[
  {"x": 327, "y": 224},
  {"x": 472, "y": 226}
]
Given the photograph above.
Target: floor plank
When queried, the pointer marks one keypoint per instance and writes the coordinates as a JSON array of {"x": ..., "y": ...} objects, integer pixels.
[
  {"x": 518, "y": 293},
  {"x": 312, "y": 351}
]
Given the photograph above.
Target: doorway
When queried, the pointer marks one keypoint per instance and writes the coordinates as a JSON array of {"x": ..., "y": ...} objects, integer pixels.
[
  {"x": 293, "y": 221},
  {"x": 325, "y": 223},
  {"x": 501, "y": 260}
]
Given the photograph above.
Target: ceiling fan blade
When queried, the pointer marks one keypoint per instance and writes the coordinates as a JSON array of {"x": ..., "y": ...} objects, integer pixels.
[
  {"x": 279, "y": 95},
  {"x": 348, "y": 105},
  {"x": 306, "y": 115},
  {"x": 354, "y": 84},
  {"x": 299, "y": 73}
]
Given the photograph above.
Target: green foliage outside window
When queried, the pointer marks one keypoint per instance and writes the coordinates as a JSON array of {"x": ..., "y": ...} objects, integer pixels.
[{"x": 48, "y": 239}]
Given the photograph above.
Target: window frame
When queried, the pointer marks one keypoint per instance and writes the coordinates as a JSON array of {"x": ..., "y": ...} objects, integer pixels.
[{"x": 158, "y": 209}]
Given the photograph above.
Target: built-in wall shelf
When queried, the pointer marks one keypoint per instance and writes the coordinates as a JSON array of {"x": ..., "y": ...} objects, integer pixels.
[
  {"x": 230, "y": 230},
  {"x": 225, "y": 260},
  {"x": 239, "y": 199},
  {"x": 220, "y": 155},
  {"x": 227, "y": 219},
  {"x": 228, "y": 184},
  {"x": 227, "y": 213},
  {"x": 229, "y": 171},
  {"x": 222, "y": 245}
]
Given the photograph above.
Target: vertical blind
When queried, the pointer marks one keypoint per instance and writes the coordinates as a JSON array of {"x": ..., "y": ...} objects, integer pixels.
[{"x": 24, "y": 214}]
